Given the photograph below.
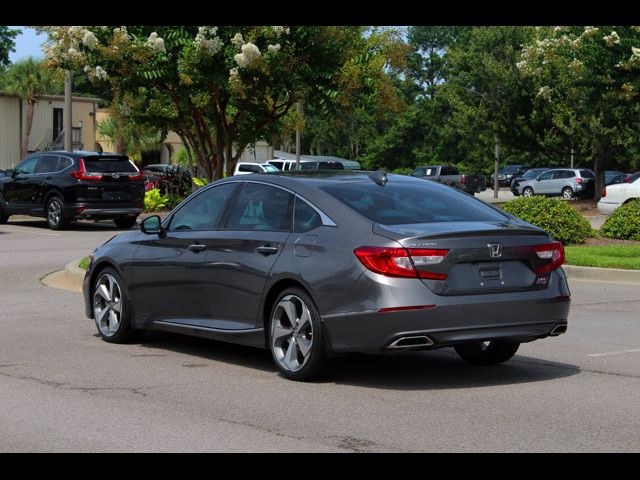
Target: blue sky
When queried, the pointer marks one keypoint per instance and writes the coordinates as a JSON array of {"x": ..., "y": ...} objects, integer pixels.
[{"x": 27, "y": 43}]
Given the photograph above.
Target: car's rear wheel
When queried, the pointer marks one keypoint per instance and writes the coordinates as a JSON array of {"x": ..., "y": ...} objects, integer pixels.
[
  {"x": 125, "y": 222},
  {"x": 110, "y": 311},
  {"x": 4, "y": 218},
  {"x": 527, "y": 192},
  {"x": 487, "y": 353},
  {"x": 295, "y": 336},
  {"x": 567, "y": 193},
  {"x": 57, "y": 218}
]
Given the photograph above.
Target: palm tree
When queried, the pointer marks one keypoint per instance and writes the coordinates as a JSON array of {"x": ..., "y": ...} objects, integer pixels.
[
  {"x": 29, "y": 79},
  {"x": 134, "y": 137}
]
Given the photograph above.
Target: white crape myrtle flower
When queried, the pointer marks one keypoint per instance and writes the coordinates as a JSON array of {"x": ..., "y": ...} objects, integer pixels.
[
  {"x": 208, "y": 31},
  {"x": 274, "y": 48},
  {"x": 280, "y": 30},
  {"x": 237, "y": 40},
  {"x": 589, "y": 32},
  {"x": 206, "y": 46},
  {"x": 155, "y": 43},
  {"x": 612, "y": 39},
  {"x": 89, "y": 40},
  {"x": 97, "y": 73},
  {"x": 544, "y": 92},
  {"x": 250, "y": 53},
  {"x": 234, "y": 75}
]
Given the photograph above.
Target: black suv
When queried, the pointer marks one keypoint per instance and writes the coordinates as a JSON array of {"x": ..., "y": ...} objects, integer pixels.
[{"x": 63, "y": 186}]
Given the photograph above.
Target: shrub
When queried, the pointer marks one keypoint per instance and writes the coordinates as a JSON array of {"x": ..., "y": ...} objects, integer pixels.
[
  {"x": 402, "y": 171},
  {"x": 556, "y": 217},
  {"x": 624, "y": 222},
  {"x": 154, "y": 201}
]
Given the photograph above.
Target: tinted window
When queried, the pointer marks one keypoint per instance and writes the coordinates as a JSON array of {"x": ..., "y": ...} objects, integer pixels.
[
  {"x": 27, "y": 166},
  {"x": 633, "y": 177},
  {"x": 203, "y": 211},
  {"x": 330, "y": 166},
  {"x": 418, "y": 172},
  {"x": 565, "y": 174},
  {"x": 412, "y": 202},
  {"x": 278, "y": 165},
  {"x": 249, "y": 168},
  {"x": 509, "y": 169},
  {"x": 47, "y": 164},
  {"x": 109, "y": 165},
  {"x": 305, "y": 217},
  {"x": 586, "y": 174},
  {"x": 449, "y": 171},
  {"x": 261, "y": 207},
  {"x": 546, "y": 176},
  {"x": 308, "y": 166}
]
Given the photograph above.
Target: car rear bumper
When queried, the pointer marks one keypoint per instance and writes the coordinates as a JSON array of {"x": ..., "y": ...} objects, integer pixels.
[
  {"x": 103, "y": 210},
  {"x": 607, "y": 208},
  {"x": 373, "y": 331}
]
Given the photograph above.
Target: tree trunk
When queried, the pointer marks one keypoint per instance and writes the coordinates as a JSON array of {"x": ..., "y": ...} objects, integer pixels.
[
  {"x": 27, "y": 129},
  {"x": 598, "y": 168},
  {"x": 121, "y": 148},
  {"x": 496, "y": 184}
]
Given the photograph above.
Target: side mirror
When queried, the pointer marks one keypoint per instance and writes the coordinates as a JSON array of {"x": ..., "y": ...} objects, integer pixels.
[
  {"x": 9, "y": 172},
  {"x": 151, "y": 225}
]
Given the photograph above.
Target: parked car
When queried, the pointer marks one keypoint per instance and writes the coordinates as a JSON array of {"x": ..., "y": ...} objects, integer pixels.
[
  {"x": 168, "y": 178},
  {"x": 506, "y": 174},
  {"x": 312, "y": 266},
  {"x": 618, "y": 194},
  {"x": 450, "y": 176},
  {"x": 611, "y": 177},
  {"x": 63, "y": 186},
  {"x": 287, "y": 165},
  {"x": 528, "y": 175},
  {"x": 245, "y": 168},
  {"x": 565, "y": 182}
]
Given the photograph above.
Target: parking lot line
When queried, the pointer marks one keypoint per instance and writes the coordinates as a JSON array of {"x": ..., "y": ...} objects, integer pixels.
[
  {"x": 19, "y": 230},
  {"x": 635, "y": 350}
]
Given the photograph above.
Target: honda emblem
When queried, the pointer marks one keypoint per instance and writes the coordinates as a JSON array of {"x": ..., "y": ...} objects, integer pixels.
[{"x": 495, "y": 250}]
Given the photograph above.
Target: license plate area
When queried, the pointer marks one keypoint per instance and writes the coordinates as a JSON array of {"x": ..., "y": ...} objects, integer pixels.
[
  {"x": 116, "y": 196},
  {"x": 490, "y": 272}
]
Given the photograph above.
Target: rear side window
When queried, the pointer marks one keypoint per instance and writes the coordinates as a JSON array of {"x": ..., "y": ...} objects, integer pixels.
[
  {"x": 412, "y": 202},
  {"x": 305, "y": 217},
  {"x": 250, "y": 168},
  {"x": 109, "y": 165},
  {"x": 565, "y": 174},
  {"x": 278, "y": 165},
  {"x": 449, "y": 171},
  {"x": 309, "y": 166},
  {"x": 48, "y": 164},
  {"x": 261, "y": 207}
]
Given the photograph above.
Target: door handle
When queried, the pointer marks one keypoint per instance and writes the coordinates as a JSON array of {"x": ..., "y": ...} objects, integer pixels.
[
  {"x": 197, "y": 247},
  {"x": 267, "y": 249}
]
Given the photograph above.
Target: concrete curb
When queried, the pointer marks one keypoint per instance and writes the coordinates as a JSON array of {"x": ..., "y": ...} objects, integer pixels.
[
  {"x": 614, "y": 275},
  {"x": 70, "y": 278}
]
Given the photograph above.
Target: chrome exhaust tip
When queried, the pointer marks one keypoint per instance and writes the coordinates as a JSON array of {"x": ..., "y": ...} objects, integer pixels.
[
  {"x": 411, "y": 342},
  {"x": 558, "y": 330}
]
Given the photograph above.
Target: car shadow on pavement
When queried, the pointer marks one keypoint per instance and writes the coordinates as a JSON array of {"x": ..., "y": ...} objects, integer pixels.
[
  {"x": 213, "y": 350},
  {"x": 434, "y": 370},
  {"x": 87, "y": 226},
  {"x": 442, "y": 369}
]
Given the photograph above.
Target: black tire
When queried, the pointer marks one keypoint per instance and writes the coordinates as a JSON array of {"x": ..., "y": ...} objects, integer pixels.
[
  {"x": 487, "y": 353},
  {"x": 317, "y": 363},
  {"x": 527, "y": 192},
  {"x": 125, "y": 222},
  {"x": 4, "y": 218},
  {"x": 124, "y": 333},
  {"x": 57, "y": 218},
  {"x": 567, "y": 193}
]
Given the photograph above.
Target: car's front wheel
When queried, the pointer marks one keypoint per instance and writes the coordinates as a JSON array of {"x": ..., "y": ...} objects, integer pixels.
[
  {"x": 295, "y": 336},
  {"x": 110, "y": 311},
  {"x": 487, "y": 353}
]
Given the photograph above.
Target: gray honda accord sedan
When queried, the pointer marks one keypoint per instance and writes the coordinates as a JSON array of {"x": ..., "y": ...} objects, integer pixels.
[{"x": 314, "y": 265}]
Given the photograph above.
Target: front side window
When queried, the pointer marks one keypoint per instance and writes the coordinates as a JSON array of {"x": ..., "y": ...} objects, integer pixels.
[
  {"x": 261, "y": 207},
  {"x": 28, "y": 166},
  {"x": 412, "y": 202},
  {"x": 203, "y": 211},
  {"x": 546, "y": 176},
  {"x": 418, "y": 172}
]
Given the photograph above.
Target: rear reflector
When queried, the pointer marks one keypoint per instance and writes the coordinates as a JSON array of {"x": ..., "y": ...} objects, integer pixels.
[
  {"x": 402, "y": 309},
  {"x": 553, "y": 253},
  {"x": 402, "y": 262},
  {"x": 603, "y": 193}
]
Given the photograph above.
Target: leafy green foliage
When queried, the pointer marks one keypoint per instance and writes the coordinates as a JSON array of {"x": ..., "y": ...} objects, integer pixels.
[
  {"x": 556, "y": 217},
  {"x": 7, "y": 43},
  {"x": 154, "y": 201},
  {"x": 610, "y": 256},
  {"x": 624, "y": 222}
]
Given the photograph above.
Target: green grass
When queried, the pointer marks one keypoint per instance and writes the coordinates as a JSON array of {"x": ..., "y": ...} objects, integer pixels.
[
  {"x": 84, "y": 264},
  {"x": 613, "y": 256}
]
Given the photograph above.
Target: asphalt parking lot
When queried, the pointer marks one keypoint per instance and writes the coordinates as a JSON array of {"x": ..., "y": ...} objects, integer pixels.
[{"x": 63, "y": 389}]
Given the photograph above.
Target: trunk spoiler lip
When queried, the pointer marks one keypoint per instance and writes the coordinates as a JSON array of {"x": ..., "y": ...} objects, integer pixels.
[{"x": 456, "y": 229}]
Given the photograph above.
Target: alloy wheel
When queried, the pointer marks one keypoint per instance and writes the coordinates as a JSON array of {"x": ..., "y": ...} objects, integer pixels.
[
  {"x": 291, "y": 333},
  {"x": 54, "y": 212},
  {"x": 107, "y": 304}
]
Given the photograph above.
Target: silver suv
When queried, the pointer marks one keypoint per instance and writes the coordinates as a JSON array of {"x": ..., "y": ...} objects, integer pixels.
[{"x": 566, "y": 182}]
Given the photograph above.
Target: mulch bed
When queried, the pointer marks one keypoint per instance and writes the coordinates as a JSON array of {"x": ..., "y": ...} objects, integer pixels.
[{"x": 603, "y": 241}]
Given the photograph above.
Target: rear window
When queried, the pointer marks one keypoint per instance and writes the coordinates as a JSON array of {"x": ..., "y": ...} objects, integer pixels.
[
  {"x": 409, "y": 203},
  {"x": 108, "y": 165},
  {"x": 586, "y": 174}
]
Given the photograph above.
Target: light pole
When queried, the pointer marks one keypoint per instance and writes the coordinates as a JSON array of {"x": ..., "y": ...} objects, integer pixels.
[
  {"x": 68, "y": 117},
  {"x": 298, "y": 120}
]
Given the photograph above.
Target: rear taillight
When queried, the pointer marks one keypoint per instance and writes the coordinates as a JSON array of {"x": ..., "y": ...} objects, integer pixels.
[
  {"x": 627, "y": 180},
  {"x": 83, "y": 175},
  {"x": 552, "y": 253},
  {"x": 139, "y": 175},
  {"x": 579, "y": 180},
  {"x": 463, "y": 179},
  {"x": 402, "y": 262},
  {"x": 603, "y": 193}
]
